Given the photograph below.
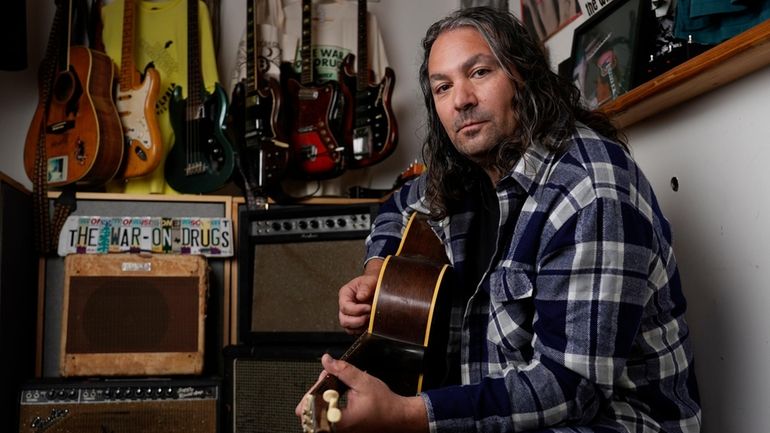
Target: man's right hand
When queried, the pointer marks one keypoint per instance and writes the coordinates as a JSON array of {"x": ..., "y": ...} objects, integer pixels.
[{"x": 355, "y": 298}]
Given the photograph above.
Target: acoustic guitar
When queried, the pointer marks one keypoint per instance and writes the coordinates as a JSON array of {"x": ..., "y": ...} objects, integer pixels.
[
  {"x": 201, "y": 159},
  {"x": 374, "y": 134},
  {"x": 405, "y": 343},
  {"x": 136, "y": 99},
  {"x": 262, "y": 158},
  {"x": 75, "y": 123},
  {"x": 317, "y": 149}
]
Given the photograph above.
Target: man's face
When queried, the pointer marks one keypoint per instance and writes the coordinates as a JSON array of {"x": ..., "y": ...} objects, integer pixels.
[{"x": 472, "y": 93}]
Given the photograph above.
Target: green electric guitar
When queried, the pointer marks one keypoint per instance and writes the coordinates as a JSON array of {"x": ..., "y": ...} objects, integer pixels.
[{"x": 202, "y": 159}]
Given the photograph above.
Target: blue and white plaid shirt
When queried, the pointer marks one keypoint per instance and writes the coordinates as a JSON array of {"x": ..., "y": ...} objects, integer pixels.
[{"x": 578, "y": 325}]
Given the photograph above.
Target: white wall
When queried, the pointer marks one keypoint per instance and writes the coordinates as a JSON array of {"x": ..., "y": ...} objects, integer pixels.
[{"x": 717, "y": 145}]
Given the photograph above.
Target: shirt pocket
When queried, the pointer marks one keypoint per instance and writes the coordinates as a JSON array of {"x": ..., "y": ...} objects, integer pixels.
[{"x": 511, "y": 310}]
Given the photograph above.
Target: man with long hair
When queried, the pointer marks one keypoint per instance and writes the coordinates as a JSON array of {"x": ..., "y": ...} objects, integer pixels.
[{"x": 569, "y": 313}]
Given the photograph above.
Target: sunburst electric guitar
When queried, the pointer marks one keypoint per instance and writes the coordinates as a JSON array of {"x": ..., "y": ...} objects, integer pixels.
[
  {"x": 374, "y": 134},
  {"x": 262, "y": 156},
  {"x": 405, "y": 343},
  {"x": 136, "y": 99}
]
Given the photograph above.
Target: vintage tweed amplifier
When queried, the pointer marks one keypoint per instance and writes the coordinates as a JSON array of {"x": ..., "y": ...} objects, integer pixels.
[{"x": 131, "y": 314}]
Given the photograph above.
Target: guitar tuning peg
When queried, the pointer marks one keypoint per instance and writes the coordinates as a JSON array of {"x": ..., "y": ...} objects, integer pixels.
[{"x": 333, "y": 414}]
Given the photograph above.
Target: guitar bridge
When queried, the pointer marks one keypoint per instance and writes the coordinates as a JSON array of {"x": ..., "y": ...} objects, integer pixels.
[
  {"x": 195, "y": 168},
  {"x": 60, "y": 127},
  {"x": 362, "y": 142}
]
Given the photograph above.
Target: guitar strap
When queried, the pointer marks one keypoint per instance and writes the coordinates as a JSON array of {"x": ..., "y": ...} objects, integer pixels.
[{"x": 46, "y": 232}]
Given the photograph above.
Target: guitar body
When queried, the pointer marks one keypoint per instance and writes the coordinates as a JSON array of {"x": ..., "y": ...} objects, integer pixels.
[
  {"x": 405, "y": 344},
  {"x": 374, "y": 134},
  {"x": 262, "y": 157},
  {"x": 83, "y": 134},
  {"x": 201, "y": 160},
  {"x": 313, "y": 135},
  {"x": 141, "y": 132}
]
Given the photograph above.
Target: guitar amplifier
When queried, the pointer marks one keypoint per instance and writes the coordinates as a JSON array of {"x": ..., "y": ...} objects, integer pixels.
[
  {"x": 264, "y": 383},
  {"x": 127, "y": 314},
  {"x": 125, "y": 406},
  {"x": 291, "y": 263}
]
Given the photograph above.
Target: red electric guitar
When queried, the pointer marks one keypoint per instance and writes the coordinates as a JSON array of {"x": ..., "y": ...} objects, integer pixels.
[{"x": 318, "y": 111}]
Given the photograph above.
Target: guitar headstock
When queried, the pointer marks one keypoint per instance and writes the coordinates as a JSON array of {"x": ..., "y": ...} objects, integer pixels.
[
  {"x": 320, "y": 414},
  {"x": 415, "y": 169}
]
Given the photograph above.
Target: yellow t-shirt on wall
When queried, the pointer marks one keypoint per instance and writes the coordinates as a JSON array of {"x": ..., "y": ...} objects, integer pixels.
[{"x": 161, "y": 41}]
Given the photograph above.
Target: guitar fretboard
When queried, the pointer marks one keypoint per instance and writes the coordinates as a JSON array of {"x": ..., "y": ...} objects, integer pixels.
[
  {"x": 127, "y": 49},
  {"x": 362, "y": 62},
  {"x": 194, "y": 75},
  {"x": 306, "y": 51}
]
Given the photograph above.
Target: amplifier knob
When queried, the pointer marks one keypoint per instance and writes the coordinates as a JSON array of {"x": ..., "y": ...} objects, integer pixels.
[
  {"x": 341, "y": 222},
  {"x": 314, "y": 224},
  {"x": 286, "y": 225},
  {"x": 303, "y": 224},
  {"x": 329, "y": 223}
]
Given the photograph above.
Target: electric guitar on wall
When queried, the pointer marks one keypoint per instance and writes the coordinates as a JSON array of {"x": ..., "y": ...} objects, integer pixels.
[
  {"x": 316, "y": 148},
  {"x": 201, "y": 160},
  {"x": 261, "y": 158},
  {"x": 136, "y": 99},
  {"x": 75, "y": 123},
  {"x": 375, "y": 133},
  {"x": 405, "y": 344}
]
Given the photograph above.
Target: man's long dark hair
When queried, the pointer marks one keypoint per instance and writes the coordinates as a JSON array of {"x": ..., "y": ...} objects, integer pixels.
[{"x": 547, "y": 106}]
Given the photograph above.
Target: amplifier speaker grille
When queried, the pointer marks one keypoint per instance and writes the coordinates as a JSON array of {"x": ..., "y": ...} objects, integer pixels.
[
  {"x": 265, "y": 382},
  {"x": 127, "y": 315},
  {"x": 267, "y": 392}
]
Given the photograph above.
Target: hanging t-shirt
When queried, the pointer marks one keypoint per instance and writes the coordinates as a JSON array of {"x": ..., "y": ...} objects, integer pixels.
[
  {"x": 161, "y": 31},
  {"x": 334, "y": 36},
  {"x": 274, "y": 46}
]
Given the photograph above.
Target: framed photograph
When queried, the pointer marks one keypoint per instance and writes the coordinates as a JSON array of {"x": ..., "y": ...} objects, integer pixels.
[
  {"x": 608, "y": 51},
  {"x": 543, "y": 18}
]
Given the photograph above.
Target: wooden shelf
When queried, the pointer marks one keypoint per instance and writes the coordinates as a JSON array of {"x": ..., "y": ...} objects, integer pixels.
[{"x": 726, "y": 62}]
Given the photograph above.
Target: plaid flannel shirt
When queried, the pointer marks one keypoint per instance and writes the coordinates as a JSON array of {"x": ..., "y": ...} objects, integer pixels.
[{"x": 578, "y": 324}]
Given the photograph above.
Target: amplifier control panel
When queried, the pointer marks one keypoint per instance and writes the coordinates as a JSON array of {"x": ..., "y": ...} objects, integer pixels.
[{"x": 113, "y": 392}]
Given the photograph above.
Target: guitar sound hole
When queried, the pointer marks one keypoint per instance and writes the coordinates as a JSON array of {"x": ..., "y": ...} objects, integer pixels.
[{"x": 64, "y": 87}]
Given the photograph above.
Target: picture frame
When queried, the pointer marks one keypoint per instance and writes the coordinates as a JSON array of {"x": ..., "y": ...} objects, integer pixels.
[{"x": 609, "y": 50}]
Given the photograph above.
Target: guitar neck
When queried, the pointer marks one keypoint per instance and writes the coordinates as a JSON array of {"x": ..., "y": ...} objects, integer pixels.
[
  {"x": 306, "y": 49},
  {"x": 252, "y": 53},
  {"x": 194, "y": 73},
  {"x": 362, "y": 56},
  {"x": 127, "y": 66}
]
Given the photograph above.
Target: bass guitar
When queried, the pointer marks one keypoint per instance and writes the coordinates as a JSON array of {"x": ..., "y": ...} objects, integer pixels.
[
  {"x": 76, "y": 122},
  {"x": 262, "y": 158},
  {"x": 201, "y": 159},
  {"x": 315, "y": 134},
  {"x": 135, "y": 100},
  {"x": 405, "y": 343},
  {"x": 374, "y": 134}
]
